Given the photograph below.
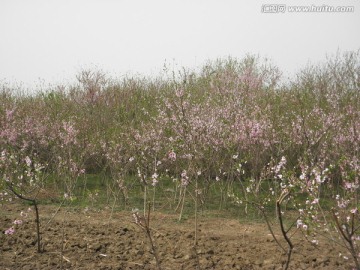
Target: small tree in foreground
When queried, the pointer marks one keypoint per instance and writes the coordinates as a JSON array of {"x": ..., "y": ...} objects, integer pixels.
[{"x": 24, "y": 179}]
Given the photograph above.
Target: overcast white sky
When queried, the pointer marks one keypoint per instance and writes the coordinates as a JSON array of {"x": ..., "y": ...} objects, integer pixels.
[{"x": 52, "y": 40}]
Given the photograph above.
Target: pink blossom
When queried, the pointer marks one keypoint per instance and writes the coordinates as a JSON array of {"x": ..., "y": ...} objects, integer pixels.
[
  {"x": 315, "y": 242},
  {"x": 154, "y": 178},
  {"x": 28, "y": 161},
  {"x": 18, "y": 222},
  {"x": 172, "y": 155},
  {"x": 342, "y": 203},
  {"x": 348, "y": 185},
  {"x": 315, "y": 201},
  {"x": 299, "y": 223},
  {"x": 11, "y": 230},
  {"x": 179, "y": 93},
  {"x": 9, "y": 114},
  {"x": 184, "y": 178},
  {"x": 281, "y": 164}
]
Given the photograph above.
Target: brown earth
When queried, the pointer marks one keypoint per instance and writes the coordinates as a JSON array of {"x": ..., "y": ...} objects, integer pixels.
[{"x": 105, "y": 240}]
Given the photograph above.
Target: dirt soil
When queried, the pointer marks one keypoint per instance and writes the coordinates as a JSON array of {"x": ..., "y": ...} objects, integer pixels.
[{"x": 90, "y": 239}]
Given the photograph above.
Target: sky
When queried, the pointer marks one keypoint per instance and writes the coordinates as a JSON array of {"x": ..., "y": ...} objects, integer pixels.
[{"x": 50, "y": 41}]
